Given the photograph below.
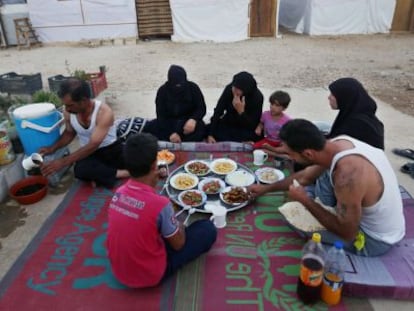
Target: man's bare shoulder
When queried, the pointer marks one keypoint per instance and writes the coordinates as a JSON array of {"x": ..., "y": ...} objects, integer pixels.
[
  {"x": 105, "y": 113},
  {"x": 349, "y": 169}
]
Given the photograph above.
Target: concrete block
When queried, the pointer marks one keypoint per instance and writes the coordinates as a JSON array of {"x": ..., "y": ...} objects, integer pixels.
[{"x": 9, "y": 175}]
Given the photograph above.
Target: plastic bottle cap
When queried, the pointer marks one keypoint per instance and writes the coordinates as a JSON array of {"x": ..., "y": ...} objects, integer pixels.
[
  {"x": 338, "y": 245},
  {"x": 316, "y": 237}
]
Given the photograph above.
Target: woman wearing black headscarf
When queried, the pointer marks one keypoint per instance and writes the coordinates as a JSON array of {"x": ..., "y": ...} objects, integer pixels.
[
  {"x": 238, "y": 111},
  {"x": 356, "y": 115},
  {"x": 180, "y": 108},
  {"x": 356, "y": 118}
]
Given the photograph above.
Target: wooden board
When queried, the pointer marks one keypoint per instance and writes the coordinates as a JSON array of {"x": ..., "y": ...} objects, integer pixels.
[
  {"x": 154, "y": 18},
  {"x": 3, "y": 40},
  {"x": 263, "y": 18},
  {"x": 403, "y": 16}
]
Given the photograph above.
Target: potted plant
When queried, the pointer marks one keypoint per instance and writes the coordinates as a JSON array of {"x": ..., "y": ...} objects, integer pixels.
[
  {"x": 42, "y": 96},
  {"x": 97, "y": 81}
]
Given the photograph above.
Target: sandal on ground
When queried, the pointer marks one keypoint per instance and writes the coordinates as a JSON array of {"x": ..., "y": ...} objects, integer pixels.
[
  {"x": 408, "y": 153},
  {"x": 408, "y": 168}
]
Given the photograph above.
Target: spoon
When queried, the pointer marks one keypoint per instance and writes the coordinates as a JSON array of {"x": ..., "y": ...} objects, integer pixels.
[
  {"x": 185, "y": 208},
  {"x": 190, "y": 212}
]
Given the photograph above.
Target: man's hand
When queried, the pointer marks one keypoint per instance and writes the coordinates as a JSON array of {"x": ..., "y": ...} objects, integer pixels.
[
  {"x": 239, "y": 104},
  {"x": 46, "y": 150},
  {"x": 211, "y": 139},
  {"x": 256, "y": 190},
  {"x": 298, "y": 193},
  {"x": 189, "y": 126},
  {"x": 51, "y": 167},
  {"x": 175, "y": 138}
]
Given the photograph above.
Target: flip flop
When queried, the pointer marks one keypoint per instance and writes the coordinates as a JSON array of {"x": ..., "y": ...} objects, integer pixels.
[
  {"x": 408, "y": 168},
  {"x": 408, "y": 153}
]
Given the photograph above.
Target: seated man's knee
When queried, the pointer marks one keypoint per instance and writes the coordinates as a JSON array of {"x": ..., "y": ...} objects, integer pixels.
[{"x": 209, "y": 232}]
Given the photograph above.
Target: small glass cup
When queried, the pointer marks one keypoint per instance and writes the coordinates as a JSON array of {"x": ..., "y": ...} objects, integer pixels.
[{"x": 163, "y": 170}]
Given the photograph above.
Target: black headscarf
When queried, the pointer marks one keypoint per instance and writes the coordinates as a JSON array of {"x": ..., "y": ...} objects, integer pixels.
[
  {"x": 356, "y": 115},
  {"x": 177, "y": 79},
  {"x": 245, "y": 82},
  {"x": 178, "y": 98}
]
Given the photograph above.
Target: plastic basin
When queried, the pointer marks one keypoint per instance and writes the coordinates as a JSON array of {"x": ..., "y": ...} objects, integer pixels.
[{"x": 29, "y": 190}]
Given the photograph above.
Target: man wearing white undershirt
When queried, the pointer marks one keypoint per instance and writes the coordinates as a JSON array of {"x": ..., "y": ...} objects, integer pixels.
[{"x": 99, "y": 158}]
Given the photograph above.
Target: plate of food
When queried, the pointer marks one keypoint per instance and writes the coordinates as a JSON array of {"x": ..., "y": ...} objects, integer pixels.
[
  {"x": 234, "y": 195},
  {"x": 211, "y": 185},
  {"x": 197, "y": 167},
  {"x": 165, "y": 156},
  {"x": 223, "y": 166},
  {"x": 183, "y": 181},
  {"x": 240, "y": 178},
  {"x": 269, "y": 175},
  {"x": 193, "y": 198}
]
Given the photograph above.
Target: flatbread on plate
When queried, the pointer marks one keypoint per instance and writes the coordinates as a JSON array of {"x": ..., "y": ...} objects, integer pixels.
[{"x": 298, "y": 216}]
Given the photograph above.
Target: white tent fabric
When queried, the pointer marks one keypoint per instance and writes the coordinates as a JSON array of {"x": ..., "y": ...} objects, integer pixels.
[
  {"x": 75, "y": 20},
  {"x": 210, "y": 20},
  {"x": 337, "y": 17}
]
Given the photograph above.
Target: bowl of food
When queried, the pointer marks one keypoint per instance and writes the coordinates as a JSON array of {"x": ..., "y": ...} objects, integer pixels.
[
  {"x": 165, "y": 156},
  {"x": 29, "y": 190},
  {"x": 240, "y": 178},
  {"x": 211, "y": 185},
  {"x": 192, "y": 198},
  {"x": 269, "y": 175},
  {"x": 183, "y": 181},
  {"x": 197, "y": 167},
  {"x": 234, "y": 195},
  {"x": 223, "y": 166}
]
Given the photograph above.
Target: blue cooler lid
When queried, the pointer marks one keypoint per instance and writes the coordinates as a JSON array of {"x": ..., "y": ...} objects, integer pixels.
[{"x": 33, "y": 110}]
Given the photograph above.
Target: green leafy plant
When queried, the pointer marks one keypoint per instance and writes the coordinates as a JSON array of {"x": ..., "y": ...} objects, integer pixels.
[
  {"x": 77, "y": 73},
  {"x": 7, "y": 101},
  {"x": 46, "y": 97}
]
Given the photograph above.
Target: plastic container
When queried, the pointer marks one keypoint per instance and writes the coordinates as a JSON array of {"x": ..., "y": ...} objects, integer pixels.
[
  {"x": 38, "y": 125},
  {"x": 334, "y": 276},
  {"x": 14, "y": 83},
  {"x": 6, "y": 148},
  {"x": 97, "y": 82},
  {"x": 55, "y": 82},
  {"x": 311, "y": 271},
  {"x": 29, "y": 190}
]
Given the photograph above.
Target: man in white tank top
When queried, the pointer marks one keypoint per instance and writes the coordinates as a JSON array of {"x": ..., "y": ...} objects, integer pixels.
[
  {"x": 369, "y": 214},
  {"x": 99, "y": 158}
]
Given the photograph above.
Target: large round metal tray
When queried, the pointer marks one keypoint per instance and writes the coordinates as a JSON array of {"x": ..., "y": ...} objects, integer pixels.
[{"x": 211, "y": 199}]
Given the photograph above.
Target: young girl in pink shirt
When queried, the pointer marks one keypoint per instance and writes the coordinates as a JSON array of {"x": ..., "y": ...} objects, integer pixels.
[{"x": 272, "y": 120}]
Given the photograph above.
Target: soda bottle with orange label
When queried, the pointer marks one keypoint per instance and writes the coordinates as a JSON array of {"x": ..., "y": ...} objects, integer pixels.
[
  {"x": 333, "y": 279},
  {"x": 311, "y": 271}
]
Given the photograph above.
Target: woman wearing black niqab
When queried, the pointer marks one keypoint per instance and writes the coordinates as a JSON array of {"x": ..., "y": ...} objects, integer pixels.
[
  {"x": 238, "y": 111},
  {"x": 180, "y": 108}
]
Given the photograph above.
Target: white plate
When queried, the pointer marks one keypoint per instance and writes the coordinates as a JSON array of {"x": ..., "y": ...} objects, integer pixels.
[
  {"x": 269, "y": 175},
  {"x": 187, "y": 165},
  {"x": 210, "y": 179},
  {"x": 227, "y": 189},
  {"x": 240, "y": 178},
  {"x": 182, "y": 177},
  {"x": 228, "y": 164},
  {"x": 183, "y": 193}
]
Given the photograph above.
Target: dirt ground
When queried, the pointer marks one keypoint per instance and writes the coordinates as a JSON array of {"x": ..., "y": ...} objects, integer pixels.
[{"x": 384, "y": 63}]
